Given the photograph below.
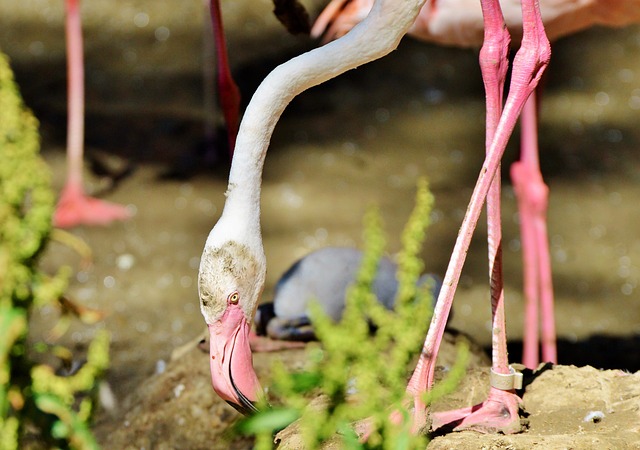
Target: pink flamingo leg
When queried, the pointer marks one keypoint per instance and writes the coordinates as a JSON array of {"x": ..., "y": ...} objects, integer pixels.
[
  {"x": 532, "y": 195},
  {"x": 74, "y": 207},
  {"x": 500, "y": 411},
  {"x": 227, "y": 88},
  {"x": 494, "y": 65}
]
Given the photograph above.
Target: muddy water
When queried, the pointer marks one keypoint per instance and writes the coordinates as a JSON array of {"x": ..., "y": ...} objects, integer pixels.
[{"x": 363, "y": 139}]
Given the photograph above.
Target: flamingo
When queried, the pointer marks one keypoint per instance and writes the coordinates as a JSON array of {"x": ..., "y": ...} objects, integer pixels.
[
  {"x": 233, "y": 265},
  {"x": 460, "y": 23},
  {"x": 75, "y": 207}
]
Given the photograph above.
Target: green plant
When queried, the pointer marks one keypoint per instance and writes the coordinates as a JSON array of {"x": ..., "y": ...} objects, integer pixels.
[
  {"x": 31, "y": 395},
  {"x": 359, "y": 375}
]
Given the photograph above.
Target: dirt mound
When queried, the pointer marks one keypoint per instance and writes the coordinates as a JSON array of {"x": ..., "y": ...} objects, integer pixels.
[{"x": 566, "y": 406}]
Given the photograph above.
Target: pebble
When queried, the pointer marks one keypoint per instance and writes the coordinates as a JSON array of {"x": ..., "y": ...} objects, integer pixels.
[
  {"x": 177, "y": 391},
  {"x": 594, "y": 417}
]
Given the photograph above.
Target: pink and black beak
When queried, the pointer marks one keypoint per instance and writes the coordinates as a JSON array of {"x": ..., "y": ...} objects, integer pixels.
[{"x": 232, "y": 373}]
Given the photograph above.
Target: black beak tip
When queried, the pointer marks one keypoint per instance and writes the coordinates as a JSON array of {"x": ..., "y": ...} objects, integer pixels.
[{"x": 245, "y": 407}]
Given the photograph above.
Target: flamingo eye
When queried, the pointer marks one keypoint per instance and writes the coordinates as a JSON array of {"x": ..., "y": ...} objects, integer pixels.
[{"x": 233, "y": 298}]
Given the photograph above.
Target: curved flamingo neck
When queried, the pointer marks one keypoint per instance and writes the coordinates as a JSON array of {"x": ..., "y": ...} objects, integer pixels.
[{"x": 374, "y": 37}]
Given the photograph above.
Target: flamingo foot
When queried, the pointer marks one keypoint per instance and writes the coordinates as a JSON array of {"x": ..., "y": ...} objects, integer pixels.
[
  {"x": 76, "y": 208},
  {"x": 261, "y": 344},
  {"x": 499, "y": 413}
]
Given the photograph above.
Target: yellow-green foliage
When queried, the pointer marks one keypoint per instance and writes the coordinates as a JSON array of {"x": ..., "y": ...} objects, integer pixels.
[
  {"x": 13, "y": 325},
  {"x": 56, "y": 395},
  {"x": 361, "y": 376},
  {"x": 30, "y": 393},
  {"x": 26, "y": 199}
]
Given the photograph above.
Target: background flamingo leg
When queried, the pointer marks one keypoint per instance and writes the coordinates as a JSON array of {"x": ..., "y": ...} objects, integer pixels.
[
  {"x": 227, "y": 88},
  {"x": 500, "y": 411},
  {"x": 532, "y": 194},
  {"x": 74, "y": 206}
]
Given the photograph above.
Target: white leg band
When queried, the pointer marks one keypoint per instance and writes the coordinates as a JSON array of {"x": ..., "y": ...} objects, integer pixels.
[{"x": 506, "y": 382}]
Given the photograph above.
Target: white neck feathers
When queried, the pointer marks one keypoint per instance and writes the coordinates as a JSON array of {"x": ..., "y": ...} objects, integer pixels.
[{"x": 373, "y": 38}]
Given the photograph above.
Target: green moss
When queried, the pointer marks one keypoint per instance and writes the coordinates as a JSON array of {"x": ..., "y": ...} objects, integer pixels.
[
  {"x": 359, "y": 375},
  {"x": 58, "y": 406}
]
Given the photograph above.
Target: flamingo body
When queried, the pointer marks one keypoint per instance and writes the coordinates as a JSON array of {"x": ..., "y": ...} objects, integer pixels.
[{"x": 460, "y": 23}]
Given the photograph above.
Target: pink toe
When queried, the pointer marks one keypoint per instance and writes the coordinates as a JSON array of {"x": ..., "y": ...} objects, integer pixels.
[{"x": 75, "y": 208}]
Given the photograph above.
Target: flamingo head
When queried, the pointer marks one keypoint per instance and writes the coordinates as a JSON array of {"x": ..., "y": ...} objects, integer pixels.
[{"x": 230, "y": 282}]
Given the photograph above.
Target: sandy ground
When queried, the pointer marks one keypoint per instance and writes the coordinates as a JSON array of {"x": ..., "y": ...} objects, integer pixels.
[
  {"x": 359, "y": 140},
  {"x": 567, "y": 407}
]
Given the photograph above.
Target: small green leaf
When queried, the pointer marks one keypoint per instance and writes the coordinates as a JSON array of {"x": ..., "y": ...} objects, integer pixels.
[
  {"x": 305, "y": 381},
  {"x": 268, "y": 420},
  {"x": 349, "y": 437},
  {"x": 60, "y": 430}
]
